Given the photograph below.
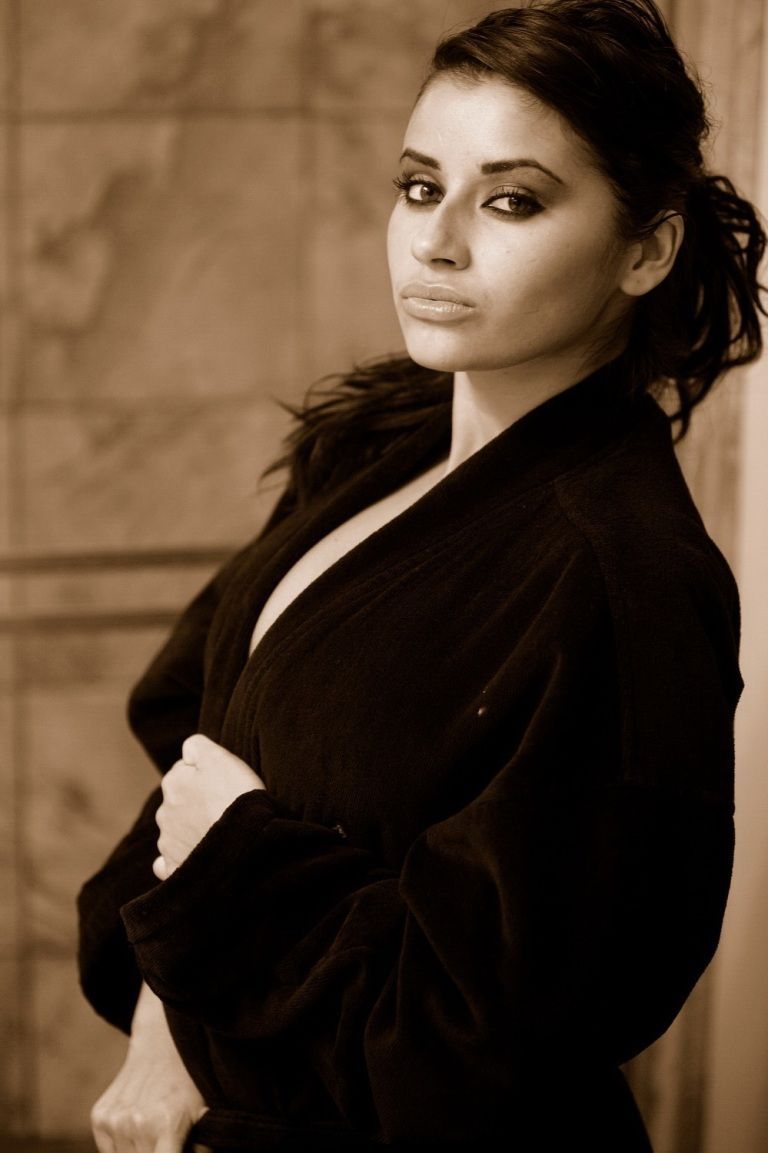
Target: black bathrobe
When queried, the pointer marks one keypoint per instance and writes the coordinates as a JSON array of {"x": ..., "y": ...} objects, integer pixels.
[{"x": 495, "y": 846}]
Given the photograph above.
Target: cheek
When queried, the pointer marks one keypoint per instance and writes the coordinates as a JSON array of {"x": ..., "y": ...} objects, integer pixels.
[
  {"x": 555, "y": 267},
  {"x": 589, "y": 247},
  {"x": 392, "y": 242},
  {"x": 398, "y": 240}
]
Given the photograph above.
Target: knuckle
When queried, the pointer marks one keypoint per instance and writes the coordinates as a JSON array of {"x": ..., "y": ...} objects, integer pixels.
[
  {"x": 170, "y": 778},
  {"x": 139, "y": 1121},
  {"x": 98, "y": 1117},
  {"x": 154, "y": 1122},
  {"x": 122, "y": 1123},
  {"x": 107, "y": 1122},
  {"x": 190, "y": 748},
  {"x": 174, "y": 783}
]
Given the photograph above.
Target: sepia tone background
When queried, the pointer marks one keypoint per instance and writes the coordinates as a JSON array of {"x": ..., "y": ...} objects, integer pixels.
[{"x": 194, "y": 199}]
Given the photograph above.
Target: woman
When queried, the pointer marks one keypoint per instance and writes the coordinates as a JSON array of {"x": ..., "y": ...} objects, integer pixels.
[{"x": 445, "y": 828}]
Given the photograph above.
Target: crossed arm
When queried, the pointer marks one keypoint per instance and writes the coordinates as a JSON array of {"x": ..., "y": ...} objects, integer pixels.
[{"x": 152, "y": 1103}]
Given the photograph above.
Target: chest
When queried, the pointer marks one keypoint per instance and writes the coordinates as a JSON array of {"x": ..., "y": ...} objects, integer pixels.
[
  {"x": 330, "y": 548},
  {"x": 404, "y": 687}
]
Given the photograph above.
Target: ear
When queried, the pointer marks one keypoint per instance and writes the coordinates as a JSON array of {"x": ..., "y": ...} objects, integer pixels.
[{"x": 651, "y": 259}]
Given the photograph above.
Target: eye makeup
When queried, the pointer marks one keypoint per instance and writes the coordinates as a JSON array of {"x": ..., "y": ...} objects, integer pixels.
[{"x": 525, "y": 205}]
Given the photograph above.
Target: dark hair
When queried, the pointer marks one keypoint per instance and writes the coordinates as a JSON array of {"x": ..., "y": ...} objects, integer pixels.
[{"x": 611, "y": 69}]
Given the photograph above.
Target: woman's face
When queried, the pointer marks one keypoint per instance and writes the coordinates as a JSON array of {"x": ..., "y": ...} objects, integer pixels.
[{"x": 505, "y": 216}]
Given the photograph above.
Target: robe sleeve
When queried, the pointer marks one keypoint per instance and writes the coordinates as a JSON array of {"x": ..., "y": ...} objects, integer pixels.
[
  {"x": 563, "y": 915},
  {"x": 163, "y": 710}
]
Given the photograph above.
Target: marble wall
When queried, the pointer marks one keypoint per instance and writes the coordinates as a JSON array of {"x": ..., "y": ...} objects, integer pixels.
[{"x": 194, "y": 196}]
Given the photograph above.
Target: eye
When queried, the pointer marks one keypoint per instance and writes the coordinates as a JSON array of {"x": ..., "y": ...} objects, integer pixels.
[
  {"x": 425, "y": 189},
  {"x": 520, "y": 203}
]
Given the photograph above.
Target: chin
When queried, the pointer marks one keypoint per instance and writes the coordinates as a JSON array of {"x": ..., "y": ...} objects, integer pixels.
[
  {"x": 452, "y": 360},
  {"x": 440, "y": 355},
  {"x": 435, "y": 362},
  {"x": 445, "y": 348}
]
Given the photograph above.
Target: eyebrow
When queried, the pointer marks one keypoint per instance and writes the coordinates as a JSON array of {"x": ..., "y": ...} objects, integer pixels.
[{"x": 490, "y": 167}]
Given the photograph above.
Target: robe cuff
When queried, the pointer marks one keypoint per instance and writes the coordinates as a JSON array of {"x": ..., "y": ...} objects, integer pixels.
[{"x": 185, "y": 902}]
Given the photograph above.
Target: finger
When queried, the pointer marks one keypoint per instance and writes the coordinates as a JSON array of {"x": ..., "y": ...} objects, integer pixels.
[
  {"x": 160, "y": 868},
  {"x": 108, "y": 1140},
  {"x": 199, "y": 750},
  {"x": 171, "y": 777},
  {"x": 103, "y": 1141},
  {"x": 100, "y": 1128},
  {"x": 193, "y": 748},
  {"x": 168, "y": 848}
]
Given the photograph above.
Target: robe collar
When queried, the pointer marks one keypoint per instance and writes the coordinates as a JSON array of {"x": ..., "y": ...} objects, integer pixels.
[{"x": 558, "y": 435}]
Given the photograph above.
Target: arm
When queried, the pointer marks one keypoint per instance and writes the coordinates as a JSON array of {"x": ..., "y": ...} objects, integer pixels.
[
  {"x": 109, "y": 977},
  {"x": 164, "y": 708},
  {"x": 152, "y": 1103},
  {"x": 562, "y": 916}
]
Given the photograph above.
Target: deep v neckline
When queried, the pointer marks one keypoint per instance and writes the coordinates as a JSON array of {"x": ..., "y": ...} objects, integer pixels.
[
  {"x": 524, "y": 452},
  {"x": 421, "y": 484},
  {"x": 548, "y": 440},
  {"x": 339, "y": 510}
]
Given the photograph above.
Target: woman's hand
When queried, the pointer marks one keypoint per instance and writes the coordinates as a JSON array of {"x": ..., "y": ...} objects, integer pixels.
[
  {"x": 152, "y": 1103},
  {"x": 196, "y": 791}
]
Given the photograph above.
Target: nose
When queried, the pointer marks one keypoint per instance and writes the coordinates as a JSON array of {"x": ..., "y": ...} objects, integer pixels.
[{"x": 439, "y": 239}]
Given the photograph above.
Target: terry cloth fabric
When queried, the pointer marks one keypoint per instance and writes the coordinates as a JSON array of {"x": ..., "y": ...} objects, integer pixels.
[{"x": 495, "y": 846}]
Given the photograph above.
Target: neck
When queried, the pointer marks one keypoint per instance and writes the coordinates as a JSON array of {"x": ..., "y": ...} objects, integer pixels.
[{"x": 485, "y": 403}]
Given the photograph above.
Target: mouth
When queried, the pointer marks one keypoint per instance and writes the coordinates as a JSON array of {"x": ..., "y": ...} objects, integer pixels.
[
  {"x": 434, "y": 302},
  {"x": 419, "y": 290}
]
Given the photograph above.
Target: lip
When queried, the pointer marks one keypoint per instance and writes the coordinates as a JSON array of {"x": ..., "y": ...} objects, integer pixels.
[
  {"x": 423, "y": 291},
  {"x": 434, "y": 302}
]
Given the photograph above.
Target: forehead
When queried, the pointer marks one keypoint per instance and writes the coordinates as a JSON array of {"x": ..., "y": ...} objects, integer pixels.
[{"x": 467, "y": 121}]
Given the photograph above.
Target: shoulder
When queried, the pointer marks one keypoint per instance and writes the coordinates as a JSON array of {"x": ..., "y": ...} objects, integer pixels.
[
  {"x": 672, "y": 599},
  {"x": 633, "y": 508}
]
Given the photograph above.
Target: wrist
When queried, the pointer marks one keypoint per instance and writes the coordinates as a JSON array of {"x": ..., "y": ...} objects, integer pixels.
[{"x": 149, "y": 1027}]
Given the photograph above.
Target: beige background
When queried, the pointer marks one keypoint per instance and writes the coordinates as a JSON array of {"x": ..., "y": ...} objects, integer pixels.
[{"x": 194, "y": 198}]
